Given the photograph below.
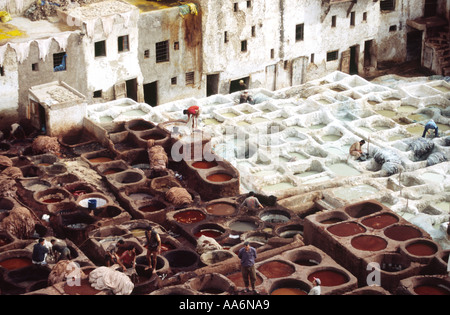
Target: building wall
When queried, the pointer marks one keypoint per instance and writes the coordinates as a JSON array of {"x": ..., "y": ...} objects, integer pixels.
[
  {"x": 184, "y": 36},
  {"x": 9, "y": 89}
]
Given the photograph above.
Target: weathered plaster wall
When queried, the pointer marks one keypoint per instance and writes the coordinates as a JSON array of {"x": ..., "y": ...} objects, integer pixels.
[
  {"x": 9, "y": 89},
  {"x": 169, "y": 25}
]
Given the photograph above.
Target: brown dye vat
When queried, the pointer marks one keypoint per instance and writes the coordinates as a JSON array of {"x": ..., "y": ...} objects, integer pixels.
[
  {"x": 15, "y": 263},
  {"x": 204, "y": 164},
  {"x": 380, "y": 221},
  {"x": 288, "y": 291},
  {"x": 346, "y": 229},
  {"x": 153, "y": 136},
  {"x": 402, "y": 232},
  {"x": 219, "y": 177},
  {"x": 153, "y": 207},
  {"x": 139, "y": 125},
  {"x": 52, "y": 200},
  {"x": 209, "y": 233},
  {"x": 113, "y": 170},
  {"x": 431, "y": 290},
  {"x": 329, "y": 278},
  {"x": 100, "y": 159},
  {"x": 363, "y": 209},
  {"x": 221, "y": 208},
  {"x": 369, "y": 243},
  {"x": 189, "y": 216},
  {"x": 237, "y": 279},
  {"x": 276, "y": 269},
  {"x": 421, "y": 249},
  {"x": 84, "y": 288}
]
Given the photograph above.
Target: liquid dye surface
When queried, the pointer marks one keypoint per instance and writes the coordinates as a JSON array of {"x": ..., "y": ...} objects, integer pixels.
[
  {"x": 369, "y": 243},
  {"x": 15, "y": 263},
  {"x": 402, "y": 233},
  {"x": 204, "y": 164},
  {"x": 329, "y": 278},
  {"x": 220, "y": 177},
  {"x": 221, "y": 208},
  {"x": 346, "y": 229},
  {"x": 288, "y": 291},
  {"x": 276, "y": 269},
  {"x": 421, "y": 249},
  {"x": 431, "y": 290},
  {"x": 380, "y": 221},
  {"x": 189, "y": 216}
]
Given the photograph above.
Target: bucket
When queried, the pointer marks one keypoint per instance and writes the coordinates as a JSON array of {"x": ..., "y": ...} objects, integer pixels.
[{"x": 92, "y": 204}]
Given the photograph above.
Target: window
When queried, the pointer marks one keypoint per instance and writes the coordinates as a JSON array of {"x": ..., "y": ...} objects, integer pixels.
[
  {"x": 100, "y": 48},
  {"x": 272, "y": 53},
  {"x": 332, "y": 55},
  {"x": 225, "y": 37},
  {"x": 235, "y": 7},
  {"x": 2, "y": 71},
  {"x": 173, "y": 81},
  {"x": 392, "y": 28},
  {"x": 98, "y": 94},
  {"x": 123, "y": 44},
  {"x": 387, "y": 5},
  {"x": 176, "y": 46},
  {"x": 59, "y": 61},
  {"x": 249, "y": 3},
  {"x": 146, "y": 54},
  {"x": 299, "y": 28},
  {"x": 253, "y": 31},
  {"x": 333, "y": 21},
  {"x": 312, "y": 58},
  {"x": 162, "y": 51},
  {"x": 244, "y": 46},
  {"x": 189, "y": 78},
  {"x": 352, "y": 18},
  {"x": 35, "y": 67},
  {"x": 364, "y": 16}
]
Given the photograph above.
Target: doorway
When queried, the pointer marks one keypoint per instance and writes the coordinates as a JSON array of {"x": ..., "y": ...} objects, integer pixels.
[
  {"x": 367, "y": 53},
  {"x": 414, "y": 45},
  {"x": 132, "y": 89},
  {"x": 354, "y": 56},
  {"x": 38, "y": 116},
  {"x": 212, "y": 84},
  {"x": 151, "y": 93}
]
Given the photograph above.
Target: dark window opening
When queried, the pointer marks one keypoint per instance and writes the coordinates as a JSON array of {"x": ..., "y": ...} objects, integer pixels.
[
  {"x": 225, "y": 37},
  {"x": 312, "y": 58},
  {"x": 173, "y": 81},
  {"x": 176, "y": 46},
  {"x": 100, "y": 48},
  {"x": 190, "y": 78},
  {"x": 365, "y": 16},
  {"x": 249, "y": 3},
  {"x": 387, "y": 5},
  {"x": 146, "y": 53},
  {"x": 299, "y": 29},
  {"x": 253, "y": 31},
  {"x": 272, "y": 53},
  {"x": 123, "y": 44},
  {"x": 59, "y": 61},
  {"x": 35, "y": 67},
  {"x": 2, "y": 71},
  {"x": 392, "y": 28},
  {"x": 333, "y": 21},
  {"x": 244, "y": 45},
  {"x": 162, "y": 51},
  {"x": 332, "y": 55},
  {"x": 98, "y": 94},
  {"x": 235, "y": 7},
  {"x": 352, "y": 18}
]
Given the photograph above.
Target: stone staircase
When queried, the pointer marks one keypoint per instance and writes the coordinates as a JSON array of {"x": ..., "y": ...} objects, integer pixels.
[{"x": 440, "y": 41}]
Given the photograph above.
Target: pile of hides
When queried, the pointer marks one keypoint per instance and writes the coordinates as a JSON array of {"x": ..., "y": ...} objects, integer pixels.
[
  {"x": 206, "y": 244},
  {"x": 104, "y": 278},
  {"x": 45, "y": 144},
  {"x": 421, "y": 147},
  {"x": 436, "y": 158},
  {"x": 390, "y": 161},
  {"x": 19, "y": 223},
  {"x": 157, "y": 157},
  {"x": 178, "y": 196},
  {"x": 63, "y": 270},
  {"x": 447, "y": 141},
  {"x": 8, "y": 174}
]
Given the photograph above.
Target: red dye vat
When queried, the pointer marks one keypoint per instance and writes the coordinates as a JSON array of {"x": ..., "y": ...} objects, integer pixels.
[
  {"x": 52, "y": 200},
  {"x": 221, "y": 208},
  {"x": 402, "y": 233},
  {"x": 276, "y": 269},
  {"x": 288, "y": 291},
  {"x": 421, "y": 249},
  {"x": 369, "y": 243},
  {"x": 219, "y": 177},
  {"x": 380, "y": 221},
  {"x": 329, "y": 278},
  {"x": 189, "y": 216},
  {"x": 204, "y": 164},
  {"x": 431, "y": 290},
  {"x": 208, "y": 232},
  {"x": 15, "y": 263},
  {"x": 112, "y": 171},
  {"x": 101, "y": 159},
  {"x": 152, "y": 208},
  {"x": 346, "y": 229}
]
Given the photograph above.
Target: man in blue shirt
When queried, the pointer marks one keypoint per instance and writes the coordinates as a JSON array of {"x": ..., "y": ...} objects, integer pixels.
[
  {"x": 39, "y": 253},
  {"x": 247, "y": 254},
  {"x": 431, "y": 125}
]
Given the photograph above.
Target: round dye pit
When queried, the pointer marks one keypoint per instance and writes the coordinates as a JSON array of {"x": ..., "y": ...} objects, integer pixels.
[
  {"x": 402, "y": 233},
  {"x": 210, "y": 230},
  {"x": 305, "y": 258},
  {"x": 329, "y": 277},
  {"x": 363, "y": 209},
  {"x": 189, "y": 216},
  {"x": 276, "y": 269},
  {"x": 369, "y": 243},
  {"x": 221, "y": 209},
  {"x": 237, "y": 279},
  {"x": 288, "y": 291},
  {"x": 290, "y": 231},
  {"x": 129, "y": 177},
  {"x": 204, "y": 164},
  {"x": 275, "y": 216},
  {"x": 152, "y": 207},
  {"x": 421, "y": 248},
  {"x": 431, "y": 290},
  {"x": 346, "y": 229},
  {"x": 219, "y": 177},
  {"x": 243, "y": 226},
  {"x": 180, "y": 258},
  {"x": 15, "y": 263},
  {"x": 380, "y": 221}
]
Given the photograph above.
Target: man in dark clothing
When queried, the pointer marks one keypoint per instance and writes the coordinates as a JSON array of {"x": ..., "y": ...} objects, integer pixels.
[
  {"x": 39, "y": 253},
  {"x": 247, "y": 254},
  {"x": 61, "y": 250}
]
